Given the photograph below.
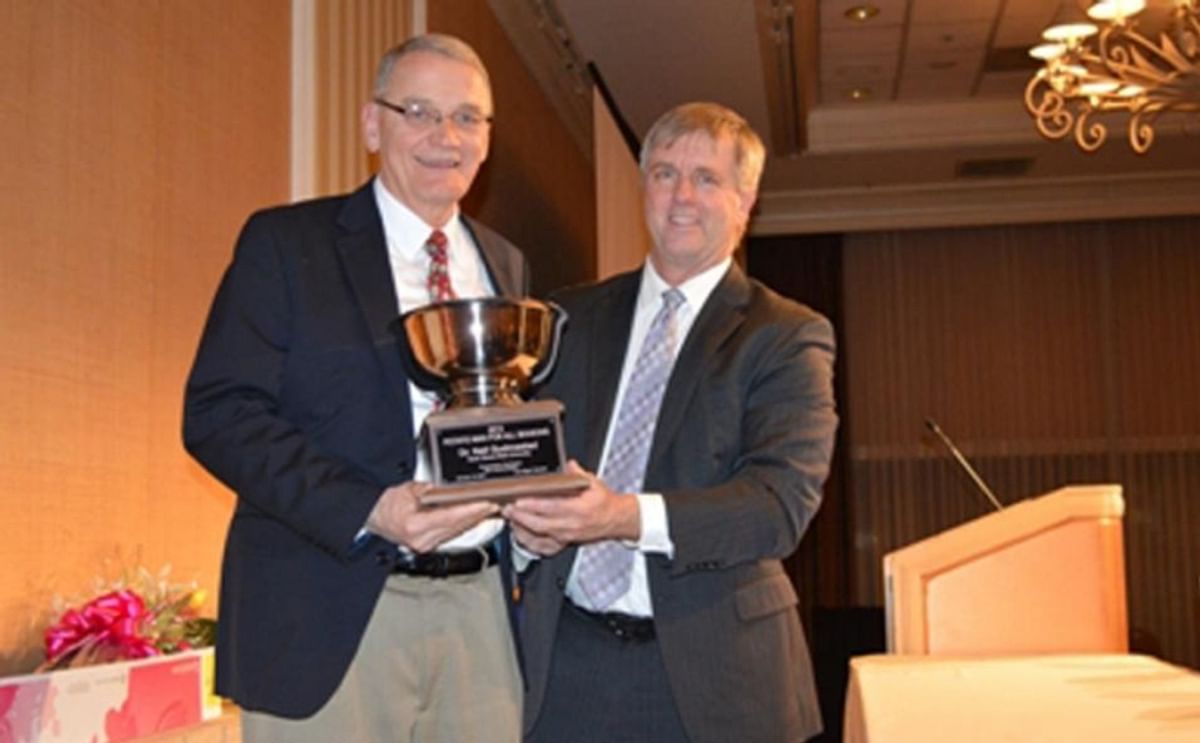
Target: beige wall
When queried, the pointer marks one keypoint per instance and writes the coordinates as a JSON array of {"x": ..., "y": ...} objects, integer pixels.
[
  {"x": 622, "y": 240},
  {"x": 345, "y": 40},
  {"x": 136, "y": 137}
]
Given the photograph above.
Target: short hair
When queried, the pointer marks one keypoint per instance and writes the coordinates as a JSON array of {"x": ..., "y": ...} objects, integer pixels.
[
  {"x": 443, "y": 44},
  {"x": 715, "y": 120}
]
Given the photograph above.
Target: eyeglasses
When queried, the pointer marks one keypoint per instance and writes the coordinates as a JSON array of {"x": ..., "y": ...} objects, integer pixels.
[{"x": 424, "y": 116}]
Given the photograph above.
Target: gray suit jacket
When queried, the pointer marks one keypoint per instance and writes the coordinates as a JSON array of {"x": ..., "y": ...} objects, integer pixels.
[
  {"x": 741, "y": 450},
  {"x": 298, "y": 401}
]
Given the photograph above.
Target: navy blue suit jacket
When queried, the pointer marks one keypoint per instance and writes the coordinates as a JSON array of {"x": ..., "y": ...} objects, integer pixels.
[{"x": 298, "y": 401}]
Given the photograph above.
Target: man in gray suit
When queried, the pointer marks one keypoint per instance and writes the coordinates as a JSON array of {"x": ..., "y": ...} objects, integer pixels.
[
  {"x": 348, "y": 611},
  {"x": 656, "y": 607}
]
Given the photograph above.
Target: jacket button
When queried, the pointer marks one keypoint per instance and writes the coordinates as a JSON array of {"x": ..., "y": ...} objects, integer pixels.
[
  {"x": 561, "y": 583},
  {"x": 382, "y": 558}
]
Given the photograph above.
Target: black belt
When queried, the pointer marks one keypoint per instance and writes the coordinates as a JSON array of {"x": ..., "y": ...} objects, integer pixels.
[
  {"x": 443, "y": 564},
  {"x": 622, "y": 626}
]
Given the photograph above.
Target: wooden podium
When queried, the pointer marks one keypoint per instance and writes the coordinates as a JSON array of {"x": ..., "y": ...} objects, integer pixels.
[{"x": 1046, "y": 575}]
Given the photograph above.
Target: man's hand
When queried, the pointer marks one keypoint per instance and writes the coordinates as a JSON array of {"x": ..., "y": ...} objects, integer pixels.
[
  {"x": 537, "y": 544},
  {"x": 399, "y": 517},
  {"x": 545, "y": 524}
]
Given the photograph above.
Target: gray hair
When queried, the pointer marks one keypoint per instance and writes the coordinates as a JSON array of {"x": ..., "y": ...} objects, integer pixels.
[
  {"x": 443, "y": 44},
  {"x": 715, "y": 120}
]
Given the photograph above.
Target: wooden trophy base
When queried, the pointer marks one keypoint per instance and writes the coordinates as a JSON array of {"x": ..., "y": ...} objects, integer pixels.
[{"x": 559, "y": 483}]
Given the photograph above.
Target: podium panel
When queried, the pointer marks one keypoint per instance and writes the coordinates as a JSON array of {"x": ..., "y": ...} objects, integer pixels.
[
  {"x": 1088, "y": 698},
  {"x": 1046, "y": 575}
]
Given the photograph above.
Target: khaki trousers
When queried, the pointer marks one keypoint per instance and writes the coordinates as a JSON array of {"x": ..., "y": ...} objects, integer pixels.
[{"x": 436, "y": 665}]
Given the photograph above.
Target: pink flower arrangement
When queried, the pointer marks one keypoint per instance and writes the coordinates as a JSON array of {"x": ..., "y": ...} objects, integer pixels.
[{"x": 125, "y": 624}]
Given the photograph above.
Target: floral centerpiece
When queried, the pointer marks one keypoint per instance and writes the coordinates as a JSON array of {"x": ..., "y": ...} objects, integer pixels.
[
  {"x": 131, "y": 661},
  {"x": 136, "y": 616}
]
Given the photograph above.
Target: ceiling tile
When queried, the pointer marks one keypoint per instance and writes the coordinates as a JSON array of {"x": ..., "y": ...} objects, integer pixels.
[
  {"x": 648, "y": 71},
  {"x": 1003, "y": 84},
  {"x": 858, "y": 67},
  {"x": 1033, "y": 7},
  {"x": 940, "y": 11},
  {"x": 946, "y": 36},
  {"x": 861, "y": 41},
  {"x": 934, "y": 87},
  {"x": 951, "y": 62},
  {"x": 950, "y": 74},
  {"x": 1023, "y": 30},
  {"x": 833, "y": 14},
  {"x": 836, "y": 94}
]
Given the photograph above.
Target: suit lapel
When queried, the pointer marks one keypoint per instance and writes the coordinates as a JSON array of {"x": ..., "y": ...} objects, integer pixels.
[
  {"x": 363, "y": 251},
  {"x": 496, "y": 260},
  {"x": 613, "y": 320},
  {"x": 721, "y": 315}
]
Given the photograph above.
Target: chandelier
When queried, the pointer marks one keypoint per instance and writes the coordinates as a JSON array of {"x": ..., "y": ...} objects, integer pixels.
[{"x": 1100, "y": 63}]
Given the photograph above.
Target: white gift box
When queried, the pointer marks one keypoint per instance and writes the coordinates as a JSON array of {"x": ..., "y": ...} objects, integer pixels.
[{"x": 110, "y": 702}]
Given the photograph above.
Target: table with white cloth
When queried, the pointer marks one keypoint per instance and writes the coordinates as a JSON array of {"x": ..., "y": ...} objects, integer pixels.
[{"x": 1031, "y": 699}]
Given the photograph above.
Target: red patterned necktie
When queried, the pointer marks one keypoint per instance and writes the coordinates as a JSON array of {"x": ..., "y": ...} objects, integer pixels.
[{"x": 438, "y": 281}]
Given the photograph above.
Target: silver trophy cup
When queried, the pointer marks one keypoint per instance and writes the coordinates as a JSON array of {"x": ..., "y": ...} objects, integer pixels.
[{"x": 481, "y": 357}]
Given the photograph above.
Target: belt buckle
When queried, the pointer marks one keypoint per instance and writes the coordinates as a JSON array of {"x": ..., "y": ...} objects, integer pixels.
[
  {"x": 625, "y": 628},
  {"x": 630, "y": 629},
  {"x": 446, "y": 564},
  {"x": 439, "y": 564}
]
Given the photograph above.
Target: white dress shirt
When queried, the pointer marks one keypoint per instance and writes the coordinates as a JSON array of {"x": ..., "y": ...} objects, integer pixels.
[
  {"x": 406, "y": 235},
  {"x": 653, "y": 510}
]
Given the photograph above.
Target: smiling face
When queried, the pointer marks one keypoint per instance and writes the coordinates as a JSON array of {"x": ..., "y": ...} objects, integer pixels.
[
  {"x": 430, "y": 168},
  {"x": 695, "y": 208}
]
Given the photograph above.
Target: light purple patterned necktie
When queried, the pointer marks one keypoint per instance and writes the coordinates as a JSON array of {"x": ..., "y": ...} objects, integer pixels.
[{"x": 605, "y": 568}]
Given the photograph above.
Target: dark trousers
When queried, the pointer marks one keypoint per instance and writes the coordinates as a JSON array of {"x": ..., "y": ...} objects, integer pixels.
[{"x": 605, "y": 689}]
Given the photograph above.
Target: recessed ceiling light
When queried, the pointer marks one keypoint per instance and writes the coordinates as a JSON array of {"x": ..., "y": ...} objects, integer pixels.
[
  {"x": 858, "y": 94},
  {"x": 861, "y": 13}
]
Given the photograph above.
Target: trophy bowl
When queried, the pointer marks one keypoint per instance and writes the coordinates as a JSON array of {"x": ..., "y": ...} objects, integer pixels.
[
  {"x": 480, "y": 356},
  {"x": 484, "y": 351}
]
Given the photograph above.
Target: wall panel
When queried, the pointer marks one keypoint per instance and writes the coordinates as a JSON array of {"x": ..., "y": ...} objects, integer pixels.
[
  {"x": 136, "y": 138},
  {"x": 351, "y": 36},
  {"x": 537, "y": 187},
  {"x": 1053, "y": 354},
  {"x": 622, "y": 240}
]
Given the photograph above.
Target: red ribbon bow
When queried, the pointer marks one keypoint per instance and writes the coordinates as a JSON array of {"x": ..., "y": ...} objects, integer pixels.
[{"x": 113, "y": 620}]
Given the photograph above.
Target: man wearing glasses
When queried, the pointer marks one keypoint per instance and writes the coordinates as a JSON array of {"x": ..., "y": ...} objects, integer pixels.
[{"x": 347, "y": 611}]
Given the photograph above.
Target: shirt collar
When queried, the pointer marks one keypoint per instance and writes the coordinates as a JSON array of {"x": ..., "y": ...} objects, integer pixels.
[
  {"x": 696, "y": 290},
  {"x": 404, "y": 229}
]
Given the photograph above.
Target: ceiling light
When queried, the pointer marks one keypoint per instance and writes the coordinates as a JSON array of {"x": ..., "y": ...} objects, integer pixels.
[
  {"x": 1116, "y": 68},
  {"x": 1048, "y": 51},
  {"x": 1109, "y": 10},
  {"x": 1070, "y": 24},
  {"x": 861, "y": 13},
  {"x": 1069, "y": 31},
  {"x": 1098, "y": 87},
  {"x": 859, "y": 94}
]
